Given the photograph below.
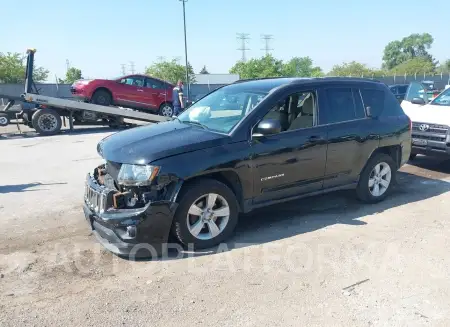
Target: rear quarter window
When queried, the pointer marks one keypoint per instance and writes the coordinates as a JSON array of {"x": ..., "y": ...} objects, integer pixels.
[{"x": 381, "y": 102}]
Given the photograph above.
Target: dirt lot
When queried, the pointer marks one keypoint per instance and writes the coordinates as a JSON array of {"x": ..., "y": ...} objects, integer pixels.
[{"x": 324, "y": 261}]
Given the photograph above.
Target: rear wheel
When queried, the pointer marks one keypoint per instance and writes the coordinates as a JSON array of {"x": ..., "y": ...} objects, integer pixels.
[
  {"x": 166, "y": 110},
  {"x": 207, "y": 214},
  {"x": 46, "y": 121},
  {"x": 102, "y": 97},
  {"x": 4, "y": 121},
  {"x": 376, "y": 179}
]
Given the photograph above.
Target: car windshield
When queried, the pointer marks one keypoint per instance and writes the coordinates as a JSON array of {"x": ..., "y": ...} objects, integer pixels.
[
  {"x": 442, "y": 99},
  {"x": 222, "y": 109}
]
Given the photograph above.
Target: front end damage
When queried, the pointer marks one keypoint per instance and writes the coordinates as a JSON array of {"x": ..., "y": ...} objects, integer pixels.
[{"x": 130, "y": 220}]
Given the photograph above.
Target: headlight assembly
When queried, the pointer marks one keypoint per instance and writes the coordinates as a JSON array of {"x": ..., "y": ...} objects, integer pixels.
[{"x": 137, "y": 175}]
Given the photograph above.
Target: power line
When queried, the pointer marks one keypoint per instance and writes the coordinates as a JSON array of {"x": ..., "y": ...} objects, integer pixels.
[
  {"x": 160, "y": 59},
  {"x": 243, "y": 37},
  {"x": 132, "y": 67},
  {"x": 267, "y": 38}
]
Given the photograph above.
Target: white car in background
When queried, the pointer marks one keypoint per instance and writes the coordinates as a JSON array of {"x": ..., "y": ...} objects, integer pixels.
[{"x": 430, "y": 121}]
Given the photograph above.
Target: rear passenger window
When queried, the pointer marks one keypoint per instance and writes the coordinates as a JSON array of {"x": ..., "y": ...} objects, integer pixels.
[
  {"x": 374, "y": 100},
  {"x": 342, "y": 105}
]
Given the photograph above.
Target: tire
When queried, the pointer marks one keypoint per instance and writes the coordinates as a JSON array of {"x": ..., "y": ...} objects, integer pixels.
[
  {"x": 191, "y": 195},
  {"x": 166, "y": 109},
  {"x": 102, "y": 98},
  {"x": 412, "y": 156},
  {"x": 367, "y": 193},
  {"x": 4, "y": 120},
  {"x": 46, "y": 122}
]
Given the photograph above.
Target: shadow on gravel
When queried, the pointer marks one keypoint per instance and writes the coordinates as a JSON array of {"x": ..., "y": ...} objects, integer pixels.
[
  {"x": 310, "y": 214},
  {"x": 429, "y": 167},
  {"x": 25, "y": 187}
]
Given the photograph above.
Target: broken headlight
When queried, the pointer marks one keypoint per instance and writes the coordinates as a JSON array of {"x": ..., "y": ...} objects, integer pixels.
[{"x": 137, "y": 175}]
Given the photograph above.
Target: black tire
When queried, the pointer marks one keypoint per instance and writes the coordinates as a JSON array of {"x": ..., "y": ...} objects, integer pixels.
[
  {"x": 4, "y": 120},
  {"x": 363, "y": 190},
  {"x": 163, "y": 109},
  {"x": 46, "y": 122},
  {"x": 412, "y": 156},
  {"x": 102, "y": 97},
  {"x": 187, "y": 197}
]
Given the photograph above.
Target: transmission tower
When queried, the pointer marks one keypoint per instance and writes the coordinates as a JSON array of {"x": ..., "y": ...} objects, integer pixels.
[
  {"x": 160, "y": 59},
  {"x": 132, "y": 67},
  {"x": 243, "y": 37},
  {"x": 124, "y": 71},
  {"x": 67, "y": 65},
  {"x": 267, "y": 38}
]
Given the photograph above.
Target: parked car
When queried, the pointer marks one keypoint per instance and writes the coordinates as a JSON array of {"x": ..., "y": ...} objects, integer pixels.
[
  {"x": 288, "y": 138},
  {"x": 135, "y": 91},
  {"x": 399, "y": 90},
  {"x": 431, "y": 121}
]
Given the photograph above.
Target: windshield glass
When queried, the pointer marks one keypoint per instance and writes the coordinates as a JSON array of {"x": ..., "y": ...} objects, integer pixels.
[
  {"x": 222, "y": 109},
  {"x": 443, "y": 99}
]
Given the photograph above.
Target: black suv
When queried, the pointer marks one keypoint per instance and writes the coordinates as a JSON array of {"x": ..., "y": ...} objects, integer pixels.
[{"x": 246, "y": 145}]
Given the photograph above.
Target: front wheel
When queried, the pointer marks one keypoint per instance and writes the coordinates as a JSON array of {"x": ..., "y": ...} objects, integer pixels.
[
  {"x": 4, "y": 121},
  {"x": 46, "y": 121},
  {"x": 207, "y": 214},
  {"x": 166, "y": 110},
  {"x": 376, "y": 179}
]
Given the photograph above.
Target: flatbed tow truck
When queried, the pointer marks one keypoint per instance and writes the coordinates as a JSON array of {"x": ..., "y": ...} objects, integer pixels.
[{"x": 49, "y": 113}]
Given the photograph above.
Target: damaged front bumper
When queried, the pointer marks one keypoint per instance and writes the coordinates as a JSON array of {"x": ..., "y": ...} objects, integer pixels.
[{"x": 140, "y": 232}]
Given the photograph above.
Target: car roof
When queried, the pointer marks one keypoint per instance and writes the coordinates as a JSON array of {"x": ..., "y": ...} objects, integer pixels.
[{"x": 273, "y": 82}]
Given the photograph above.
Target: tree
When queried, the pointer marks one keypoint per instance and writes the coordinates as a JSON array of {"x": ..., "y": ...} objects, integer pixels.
[
  {"x": 171, "y": 71},
  {"x": 410, "y": 47},
  {"x": 301, "y": 67},
  {"x": 419, "y": 65},
  {"x": 72, "y": 75},
  {"x": 263, "y": 67},
  {"x": 354, "y": 69},
  {"x": 12, "y": 69},
  {"x": 445, "y": 67},
  {"x": 204, "y": 70}
]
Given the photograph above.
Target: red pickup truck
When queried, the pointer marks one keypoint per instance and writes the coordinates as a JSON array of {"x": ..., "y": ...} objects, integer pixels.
[{"x": 140, "y": 92}]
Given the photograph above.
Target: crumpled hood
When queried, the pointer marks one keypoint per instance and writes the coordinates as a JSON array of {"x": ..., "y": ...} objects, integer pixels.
[
  {"x": 142, "y": 145},
  {"x": 428, "y": 113}
]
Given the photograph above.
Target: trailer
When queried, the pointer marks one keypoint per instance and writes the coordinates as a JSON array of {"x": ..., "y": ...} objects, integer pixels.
[{"x": 48, "y": 114}]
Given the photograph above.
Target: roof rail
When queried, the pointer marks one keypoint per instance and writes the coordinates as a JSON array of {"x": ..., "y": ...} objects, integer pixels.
[
  {"x": 317, "y": 78},
  {"x": 258, "y": 79}
]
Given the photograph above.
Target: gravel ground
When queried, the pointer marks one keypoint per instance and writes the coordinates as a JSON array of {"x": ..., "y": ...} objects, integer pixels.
[{"x": 323, "y": 261}]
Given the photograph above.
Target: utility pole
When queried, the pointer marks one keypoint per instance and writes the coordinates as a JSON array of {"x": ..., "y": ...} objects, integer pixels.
[
  {"x": 124, "y": 71},
  {"x": 185, "y": 47},
  {"x": 243, "y": 37},
  {"x": 267, "y": 38},
  {"x": 132, "y": 67}
]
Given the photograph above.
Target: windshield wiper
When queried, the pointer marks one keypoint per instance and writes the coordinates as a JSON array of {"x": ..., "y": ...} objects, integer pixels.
[{"x": 194, "y": 123}]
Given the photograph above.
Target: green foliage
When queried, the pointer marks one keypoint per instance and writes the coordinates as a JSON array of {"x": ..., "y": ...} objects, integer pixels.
[
  {"x": 410, "y": 47},
  {"x": 301, "y": 67},
  {"x": 170, "y": 71},
  {"x": 204, "y": 70},
  {"x": 263, "y": 67},
  {"x": 72, "y": 75},
  {"x": 268, "y": 66},
  {"x": 12, "y": 69},
  {"x": 354, "y": 69},
  {"x": 445, "y": 67},
  {"x": 419, "y": 65}
]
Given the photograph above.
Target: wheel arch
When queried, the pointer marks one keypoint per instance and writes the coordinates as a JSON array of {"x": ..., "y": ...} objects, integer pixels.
[
  {"x": 228, "y": 177},
  {"x": 102, "y": 88}
]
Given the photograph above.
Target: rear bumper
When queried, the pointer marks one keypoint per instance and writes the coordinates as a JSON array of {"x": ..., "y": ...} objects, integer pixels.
[
  {"x": 142, "y": 232},
  {"x": 433, "y": 152}
]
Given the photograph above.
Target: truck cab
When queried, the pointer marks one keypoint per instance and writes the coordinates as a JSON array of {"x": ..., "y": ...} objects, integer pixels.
[{"x": 430, "y": 118}]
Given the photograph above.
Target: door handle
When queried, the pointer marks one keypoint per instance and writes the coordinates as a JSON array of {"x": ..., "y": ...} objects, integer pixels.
[
  {"x": 140, "y": 90},
  {"x": 315, "y": 138}
]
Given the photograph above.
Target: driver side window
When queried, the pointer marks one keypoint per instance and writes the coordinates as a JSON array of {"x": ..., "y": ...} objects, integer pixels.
[{"x": 297, "y": 111}]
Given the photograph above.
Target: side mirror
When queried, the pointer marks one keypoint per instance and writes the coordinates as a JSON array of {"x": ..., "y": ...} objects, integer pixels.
[
  {"x": 418, "y": 101},
  {"x": 267, "y": 127}
]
